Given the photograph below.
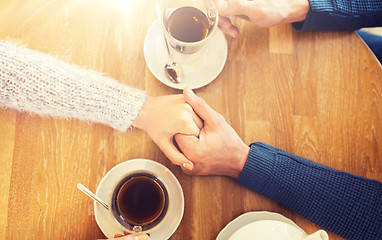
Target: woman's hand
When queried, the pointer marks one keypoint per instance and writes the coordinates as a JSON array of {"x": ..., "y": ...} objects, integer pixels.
[{"x": 163, "y": 117}]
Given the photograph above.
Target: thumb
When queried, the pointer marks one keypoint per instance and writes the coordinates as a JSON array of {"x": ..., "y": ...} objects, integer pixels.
[
  {"x": 186, "y": 143},
  {"x": 222, "y": 6},
  {"x": 229, "y": 8},
  {"x": 175, "y": 156},
  {"x": 201, "y": 108}
]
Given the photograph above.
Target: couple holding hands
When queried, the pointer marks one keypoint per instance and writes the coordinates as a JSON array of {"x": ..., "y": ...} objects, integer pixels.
[{"x": 35, "y": 82}]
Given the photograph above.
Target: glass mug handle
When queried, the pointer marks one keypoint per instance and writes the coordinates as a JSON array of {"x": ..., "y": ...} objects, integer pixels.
[{"x": 211, "y": 14}]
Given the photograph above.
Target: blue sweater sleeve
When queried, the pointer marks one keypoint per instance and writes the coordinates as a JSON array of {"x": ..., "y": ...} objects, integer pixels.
[
  {"x": 341, "y": 15},
  {"x": 347, "y": 205}
]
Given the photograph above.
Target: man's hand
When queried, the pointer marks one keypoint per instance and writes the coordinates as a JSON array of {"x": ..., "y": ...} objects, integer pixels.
[
  {"x": 218, "y": 150},
  {"x": 264, "y": 13}
]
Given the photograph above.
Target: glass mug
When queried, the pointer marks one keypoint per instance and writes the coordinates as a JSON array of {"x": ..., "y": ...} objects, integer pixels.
[
  {"x": 139, "y": 202},
  {"x": 188, "y": 26}
]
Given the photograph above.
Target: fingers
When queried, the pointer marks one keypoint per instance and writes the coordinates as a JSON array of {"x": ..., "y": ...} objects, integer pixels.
[
  {"x": 187, "y": 144},
  {"x": 231, "y": 7},
  {"x": 244, "y": 17},
  {"x": 221, "y": 5},
  {"x": 226, "y": 8},
  {"x": 175, "y": 156},
  {"x": 201, "y": 108},
  {"x": 190, "y": 127},
  {"x": 131, "y": 237},
  {"x": 227, "y": 27},
  {"x": 134, "y": 237}
]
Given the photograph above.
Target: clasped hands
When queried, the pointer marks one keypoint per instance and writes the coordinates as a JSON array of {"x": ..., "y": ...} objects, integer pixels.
[{"x": 208, "y": 144}]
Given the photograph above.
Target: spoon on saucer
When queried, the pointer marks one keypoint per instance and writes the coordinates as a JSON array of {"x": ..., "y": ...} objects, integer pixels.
[
  {"x": 92, "y": 195},
  {"x": 172, "y": 69}
]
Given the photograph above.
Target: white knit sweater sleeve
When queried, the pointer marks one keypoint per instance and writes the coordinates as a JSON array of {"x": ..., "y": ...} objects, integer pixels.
[{"x": 35, "y": 82}]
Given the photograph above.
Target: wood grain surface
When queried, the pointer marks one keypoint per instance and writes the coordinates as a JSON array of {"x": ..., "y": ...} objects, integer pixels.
[{"x": 314, "y": 94}]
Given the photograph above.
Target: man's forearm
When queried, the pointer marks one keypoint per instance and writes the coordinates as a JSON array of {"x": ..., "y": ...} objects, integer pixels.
[
  {"x": 341, "y": 15},
  {"x": 342, "y": 203}
]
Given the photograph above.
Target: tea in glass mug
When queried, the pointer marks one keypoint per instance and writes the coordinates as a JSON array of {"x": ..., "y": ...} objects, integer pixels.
[{"x": 188, "y": 26}]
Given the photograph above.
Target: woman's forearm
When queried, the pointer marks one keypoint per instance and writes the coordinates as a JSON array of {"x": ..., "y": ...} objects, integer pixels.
[{"x": 38, "y": 83}]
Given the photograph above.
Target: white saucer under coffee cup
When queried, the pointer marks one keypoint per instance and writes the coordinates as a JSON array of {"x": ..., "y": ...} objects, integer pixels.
[{"x": 168, "y": 223}]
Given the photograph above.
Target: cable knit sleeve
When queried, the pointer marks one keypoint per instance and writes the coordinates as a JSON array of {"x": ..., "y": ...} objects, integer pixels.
[{"x": 35, "y": 82}]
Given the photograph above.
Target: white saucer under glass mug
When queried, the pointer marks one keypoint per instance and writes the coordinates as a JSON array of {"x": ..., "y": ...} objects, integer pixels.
[
  {"x": 143, "y": 197},
  {"x": 188, "y": 26}
]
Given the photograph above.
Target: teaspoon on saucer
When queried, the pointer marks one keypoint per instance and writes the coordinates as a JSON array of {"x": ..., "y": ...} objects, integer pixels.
[
  {"x": 92, "y": 195},
  {"x": 172, "y": 69}
]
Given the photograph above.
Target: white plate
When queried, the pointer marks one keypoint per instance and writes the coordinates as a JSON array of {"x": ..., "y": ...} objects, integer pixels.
[
  {"x": 251, "y": 217},
  {"x": 194, "y": 76},
  {"x": 105, "y": 219}
]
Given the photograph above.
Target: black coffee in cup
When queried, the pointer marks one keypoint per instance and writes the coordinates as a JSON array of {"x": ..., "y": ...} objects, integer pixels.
[{"x": 140, "y": 199}]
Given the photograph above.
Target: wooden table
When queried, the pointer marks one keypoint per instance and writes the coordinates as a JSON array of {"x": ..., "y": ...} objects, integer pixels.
[{"x": 314, "y": 94}]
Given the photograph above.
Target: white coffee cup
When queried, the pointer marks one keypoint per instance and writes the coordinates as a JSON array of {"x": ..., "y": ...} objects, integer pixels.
[
  {"x": 275, "y": 230},
  {"x": 265, "y": 225}
]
